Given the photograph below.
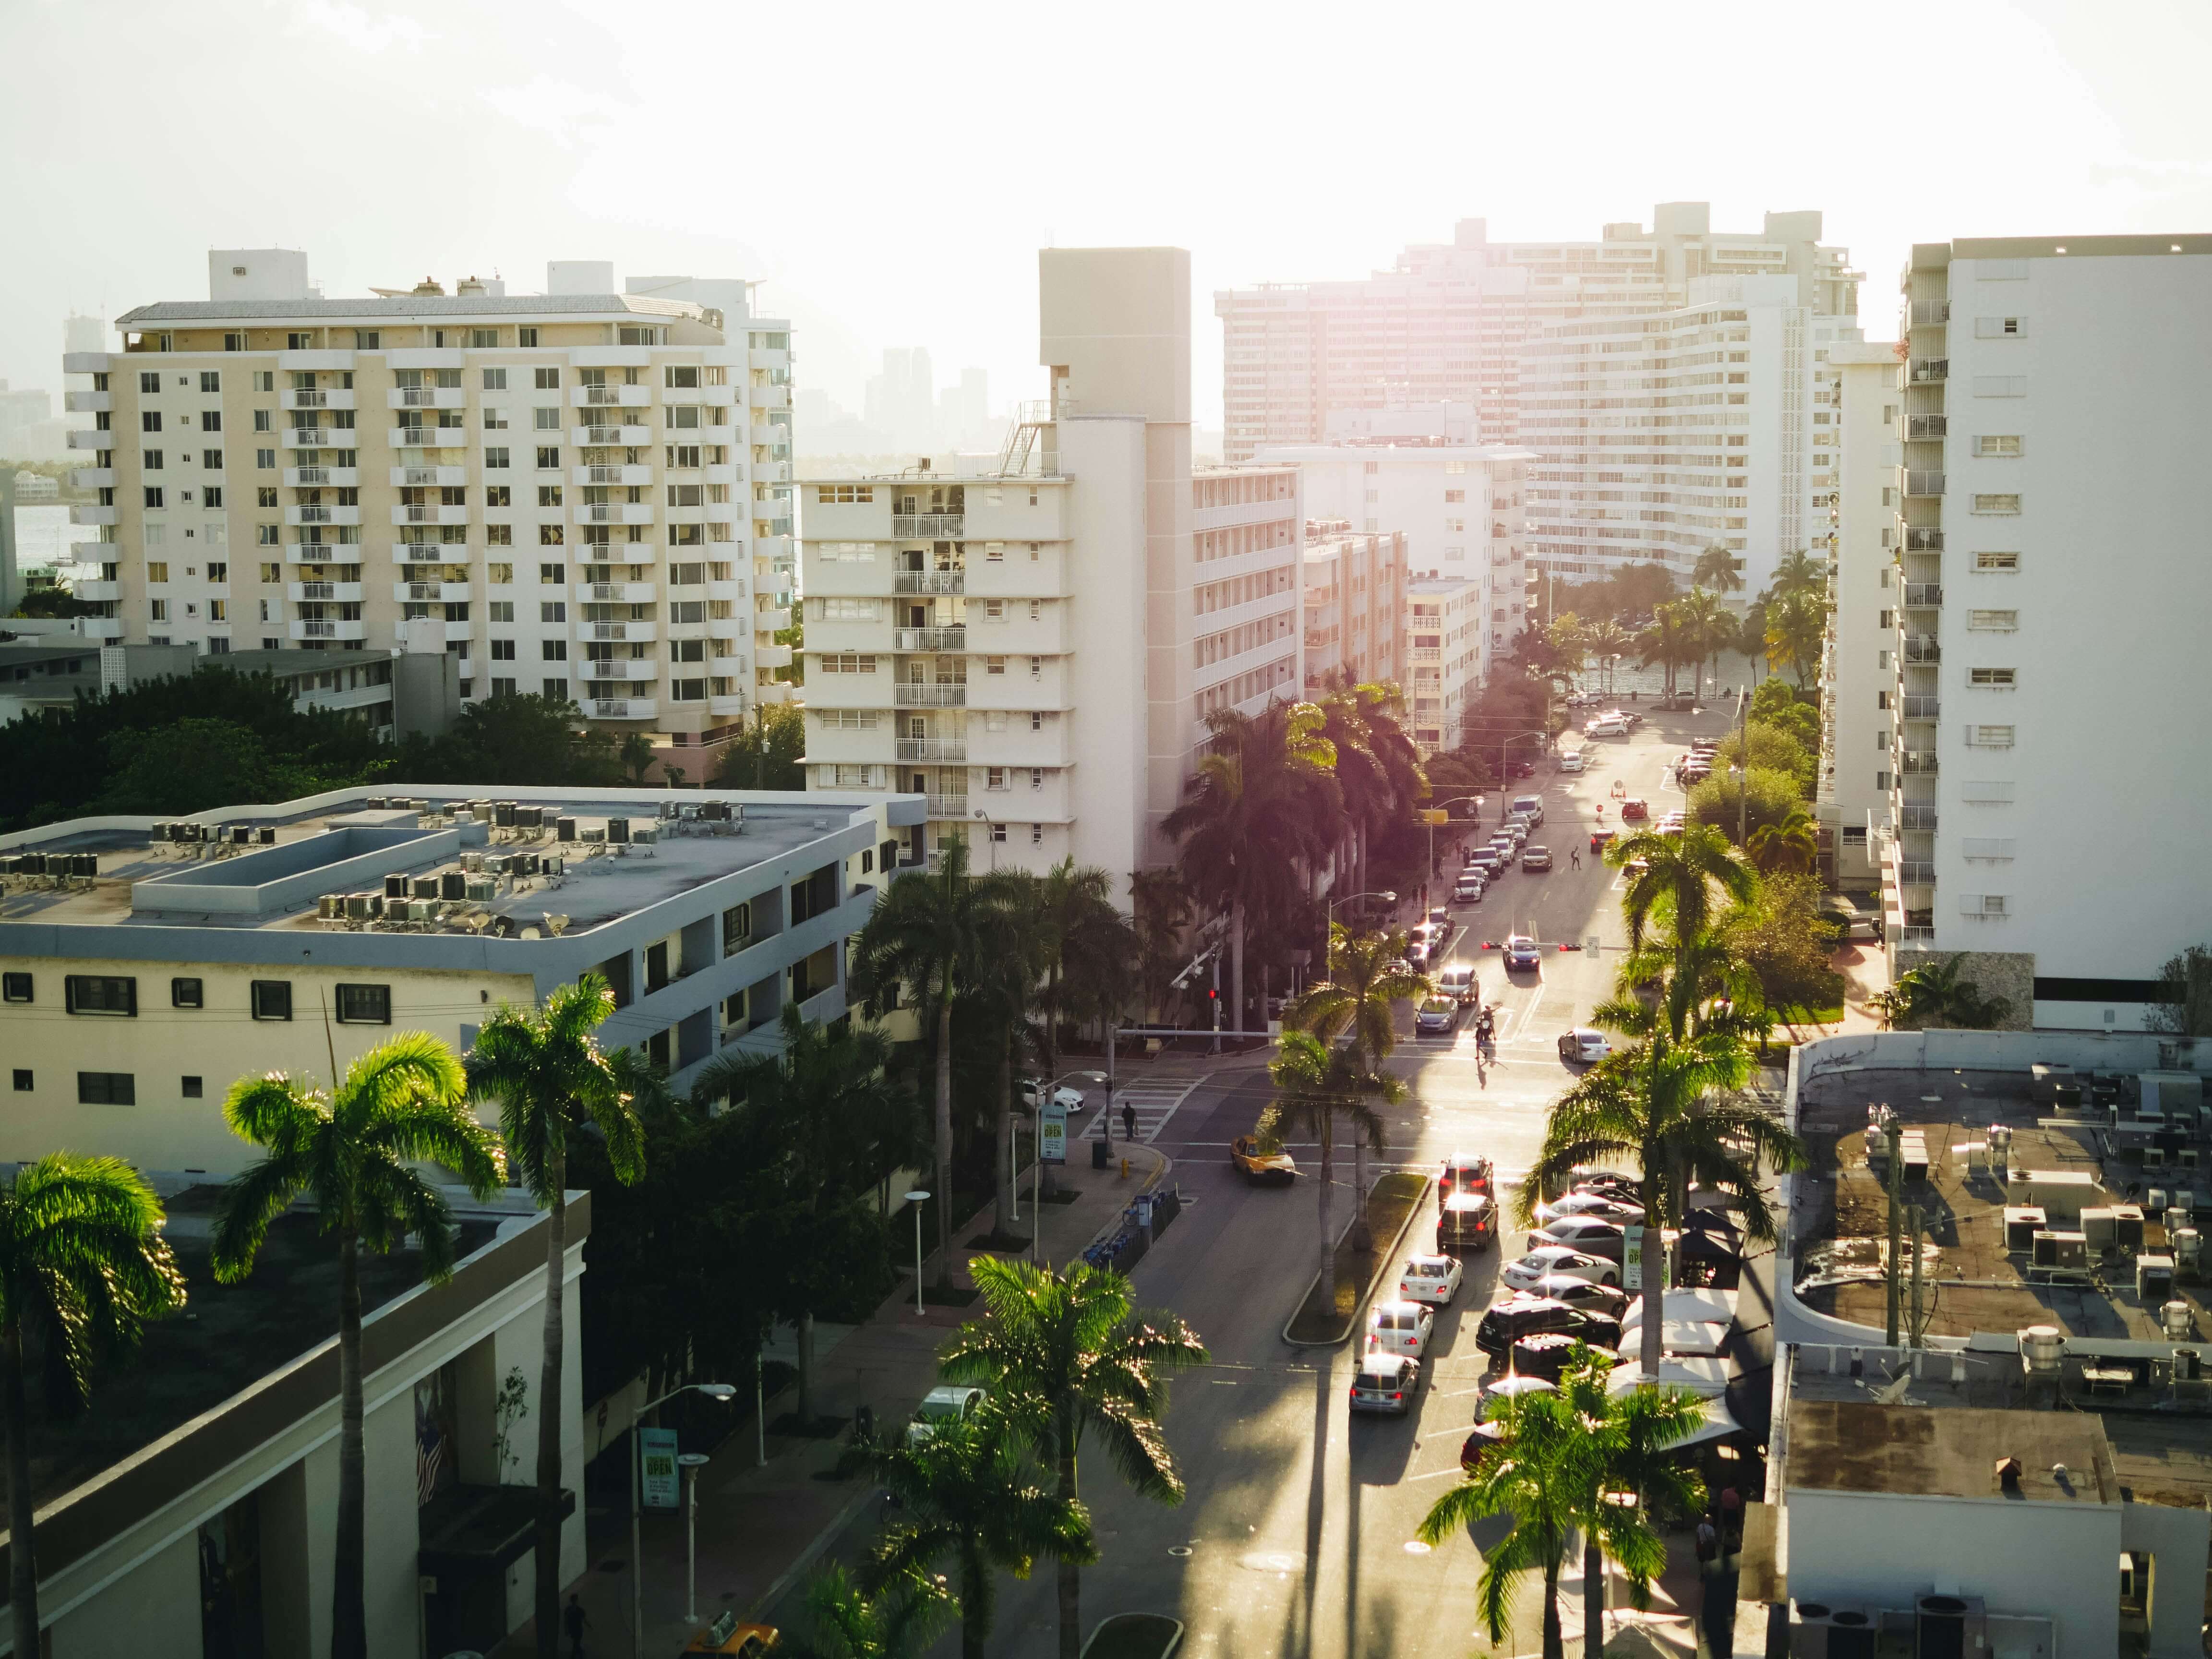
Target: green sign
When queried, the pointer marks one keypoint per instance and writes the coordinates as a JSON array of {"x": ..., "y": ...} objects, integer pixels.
[
  {"x": 1052, "y": 1133},
  {"x": 1631, "y": 1259},
  {"x": 656, "y": 1451}
]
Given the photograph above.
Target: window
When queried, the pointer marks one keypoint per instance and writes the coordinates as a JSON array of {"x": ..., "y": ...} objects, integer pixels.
[
  {"x": 551, "y": 535},
  {"x": 1989, "y": 737},
  {"x": 553, "y": 611},
  {"x": 107, "y": 1089},
  {"x": 150, "y": 460},
  {"x": 22, "y": 1080},
  {"x": 185, "y": 994},
  {"x": 193, "y": 1088},
  {"x": 499, "y": 535},
  {"x": 549, "y": 379},
  {"x": 14, "y": 987},
  {"x": 548, "y": 460},
  {"x": 736, "y": 929},
  {"x": 502, "y": 650},
  {"x": 272, "y": 999},
  {"x": 553, "y": 650},
  {"x": 1454, "y": 495},
  {"x": 1999, "y": 328},
  {"x": 496, "y": 459},
  {"x": 844, "y": 495},
  {"x": 1996, "y": 561},
  {"x": 681, "y": 374},
  {"x": 995, "y": 664},
  {"x": 545, "y": 420},
  {"x": 556, "y": 690},
  {"x": 1999, "y": 504},
  {"x": 364, "y": 1005},
  {"x": 265, "y": 459},
  {"x": 847, "y": 663},
  {"x": 2001, "y": 447},
  {"x": 265, "y": 420},
  {"x": 552, "y": 574},
  {"x": 149, "y": 382},
  {"x": 994, "y": 611},
  {"x": 995, "y": 777},
  {"x": 1995, "y": 622},
  {"x": 157, "y": 570}
]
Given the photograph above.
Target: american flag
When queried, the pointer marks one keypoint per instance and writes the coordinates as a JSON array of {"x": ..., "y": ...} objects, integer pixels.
[{"x": 429, "y": 1453}]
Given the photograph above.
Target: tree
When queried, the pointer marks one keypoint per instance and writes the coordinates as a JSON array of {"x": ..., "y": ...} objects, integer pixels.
[
  {"x": 1708, "y": 627},
  {"x": 1799, "y": 572},
  {"x": 510, "y": 739},
  {"x": 545, "y": 1069},
  {"x": 1161, "y": 909},
  {"x": 1358, "y": 1001},
  {"x": 1567, "y": 639},
  {"x": 1090, "y": 947},
  {"x": 1673, "y": 888},
  {"x": 83, "y": 1267},
  {"x": 1760, "y": 797},
  {"x": 637, "y": 754},
  {"x": 767, "y": 751},
  {"x": 1527, "y": 1473},
  {"x": 1773, "y": 750},
  {"x": 899, "y": 1620},
  {"x": 354, "y": 1150},
  {"x": 1718, "y": 569},
  {"x": 1664, "y": 642},
  {"x": 1669, "y": 1102},
  {"x": 929, "y": 939},
  {"x": 967, "y": 1499},
  {"x": 1780, "y": 938},
  {"x": 1315, "y": 1086},
  {"x": 1070, "y": 1356},
  {"x": 1378, "y": 771},
  {"x": 808, "y": 1115},
  {"x": 1937, "y": 996},
  {"x": 1791, "y": 845},
  {"x": 2185, "y": 991},
  {"x": 1796, "y": 628},
  {"x": 1011, "y": 997},
  {"x": 1605, "y": 641},
  {"x": 1265, "y": 801}
]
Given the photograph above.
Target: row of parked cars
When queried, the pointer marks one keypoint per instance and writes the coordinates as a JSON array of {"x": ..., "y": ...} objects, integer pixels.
[{"x": 1511, "y": 845}]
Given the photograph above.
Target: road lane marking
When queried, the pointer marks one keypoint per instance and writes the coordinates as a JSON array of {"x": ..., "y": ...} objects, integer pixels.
[{"x": 1154, "y": 1102}]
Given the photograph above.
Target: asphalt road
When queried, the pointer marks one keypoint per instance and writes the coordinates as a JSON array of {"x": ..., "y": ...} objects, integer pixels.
[{"x": 1297, "y": 1537}]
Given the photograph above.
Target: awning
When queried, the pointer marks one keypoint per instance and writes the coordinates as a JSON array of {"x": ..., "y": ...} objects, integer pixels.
[
  {"x": 1700, "y": 1374},
  {"x": 1704, "y": 1306},
  {"x": 1718, "y": 1425}
]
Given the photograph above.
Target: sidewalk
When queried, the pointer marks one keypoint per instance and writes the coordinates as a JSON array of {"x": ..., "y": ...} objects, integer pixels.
[{"x": 761, "y": 1527}]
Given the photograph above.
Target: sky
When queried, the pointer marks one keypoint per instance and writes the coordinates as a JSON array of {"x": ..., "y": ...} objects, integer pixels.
[{"x": 887, "y": 174}]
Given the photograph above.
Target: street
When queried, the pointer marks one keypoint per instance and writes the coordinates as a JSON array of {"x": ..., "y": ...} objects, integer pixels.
[{"x": 1297, "y": 1537}]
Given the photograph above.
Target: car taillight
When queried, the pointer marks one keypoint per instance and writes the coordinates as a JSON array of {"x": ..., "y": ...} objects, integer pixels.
[{"x": 1397, "y": 1397}]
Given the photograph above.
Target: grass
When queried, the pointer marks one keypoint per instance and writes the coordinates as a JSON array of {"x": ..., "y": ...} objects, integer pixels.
[
  {"x": 1393, "y": 1198},
  {"x": 1133, "y": 1635}
]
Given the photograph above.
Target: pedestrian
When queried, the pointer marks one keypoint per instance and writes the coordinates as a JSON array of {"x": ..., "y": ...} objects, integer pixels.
[
  {"x": 1709, "y": 1545},
  {"x": 1574, "y": 857},
  {"x": 1731, "y": 1513},
  {"x": 1128, "y": 1122},
  {"x": 575, "y": 1621}
]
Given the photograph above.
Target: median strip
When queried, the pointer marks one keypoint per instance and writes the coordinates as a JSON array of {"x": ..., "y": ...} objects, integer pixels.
[{"x": 1393, "y": 1204}]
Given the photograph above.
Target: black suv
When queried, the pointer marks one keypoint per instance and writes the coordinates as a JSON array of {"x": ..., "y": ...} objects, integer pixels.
[{"x": 1507, "y": 1322}]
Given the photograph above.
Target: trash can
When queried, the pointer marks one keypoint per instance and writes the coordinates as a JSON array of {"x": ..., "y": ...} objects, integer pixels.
[{"x": 1098, "y": 1153}]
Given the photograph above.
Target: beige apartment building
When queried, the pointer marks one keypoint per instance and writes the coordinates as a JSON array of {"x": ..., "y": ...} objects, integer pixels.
[
  {"x": 1355, "y": 605},
  {"x": 1443, "y": 651},
  {"x": 1035, "y": 646},
  {"x": 584, "y": 495}
]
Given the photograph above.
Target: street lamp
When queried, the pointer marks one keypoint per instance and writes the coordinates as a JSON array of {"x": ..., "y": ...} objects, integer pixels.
[
  {"x": 917, "y": 1199},
  {"x": 693, "y": 1461},
  {"x": 1385, "y": 894},
  {"x": 1444, "y": 807},
  {"x": 1037, "y": 1190},
  {"x": 724, "y": 1392}
]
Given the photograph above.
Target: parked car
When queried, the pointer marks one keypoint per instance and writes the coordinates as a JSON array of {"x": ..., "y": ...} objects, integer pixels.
[
  {"x": 1533, "y": 805},
  {"x": 1262, "y": 1163},
  {"x": 1678, "y": 702},
  {"x": 1386, "y": 1382},
  {"x": 1571, "y": 760},
  {"x": 1507, "y": 1322},
  {"x": 1558, "y": 1260},
  {"x": 1465, "y": 1172},
  {"x": 1416, "y": 953},
  {"x": 1523, "y": 955},
  {"x": 1456, "y": 980},
  {"x": 1606, "y": 726},
  {"x": 1440, "y": 917},
  {"x": 1400, "y": 1327},
  {"x": 1434, "y": 1280},
  {"x": 948, "y": 1404},
  {"x": 1487, "y": 861},
  {"x": 1607, "y": 1299},
  {"x": 1436, "y": 1017},
  {"x": 1594, "y": 1206},
  {"x": 1029, "y": 1088},
  {"x": 1591, "y": 1237},
  {"x": 1469, "y": 888},
  {"x": 1468, "y": 1224},
  {"x": 1519, "y": 828},
  {"x": 1583, "y": 1046},
  {"x": 1535, "y": 858}
]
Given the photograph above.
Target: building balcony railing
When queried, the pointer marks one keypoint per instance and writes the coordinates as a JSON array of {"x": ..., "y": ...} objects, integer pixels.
[
  {"x": 1923, "y": 709},
  {"x": 1927, "y": 426},
  {"x": 601, "y": 437},
  {"x": 1916, "y": 936},
  {"x": 947, "y": 806},
  {"x": 1916, "y": 873},
  {"x": 1930, "y": 314},
  {"x": 910, "y": 695},
  {"x": 1920, "y": 540},
  {"x": 1925, "y": 594},
  {"x": 1923, "y": 483},
  {"x": 929, "y": 639},
  {"x": 1917, "y": 762},
  {"x": 623, "y": 709},
  {"x": 919, "y": 524},
  {"x": 1917, "y": 818},
  {"x": 932, "y": 749},
  {"x": 1932, "y": 368},
  {"x": 1922, "y": 648},
  {"x": 929, "y": 581}
]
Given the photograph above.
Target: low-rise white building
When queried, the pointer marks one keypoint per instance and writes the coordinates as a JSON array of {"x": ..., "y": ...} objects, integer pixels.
[{"x": 1445, "y": 626}]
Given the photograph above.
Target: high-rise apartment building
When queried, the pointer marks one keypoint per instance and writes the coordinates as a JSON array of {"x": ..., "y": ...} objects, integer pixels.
[
  {"x": 1660, "y": 436},
  {"x": 1355, "y": 606},
  {"x": 1035, "y": 646},
  {"x": 2049, "y": 623},
  {"x": 1445, "y": 625},
  {"x": 1447, "y": 322},
  {"x": 582, "y": 493}
]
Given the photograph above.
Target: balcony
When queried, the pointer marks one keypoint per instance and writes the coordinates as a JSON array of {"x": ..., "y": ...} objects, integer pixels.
[
  {"x": 613, "y": 512},
  {"x": 728, "y": 705},
  {"x": 321, "y": 477},
  {"x": 775, "y": 437},
  {"x": 99, "y": 628},
  {"x": 932, "y": 749},
  {"x": 1923, "y": 595},
  {"x": 617, "y": 593},
  {"x": 323, "y": 592},
  {"x": 768, "y": 397},
  {"x": 773, "y": 691},
  {"x": 1916, "y": 873},
  {"x": 1931, "y": 368},
  {"x": 101, "y": 591},
  {"x": 772, "y": 656},
  {"x": 322, "y": 553},
  {"x": 622, "y": 708},
  {"x": 604, "y": 437},
  {"x": 612, "y": 397},
  {"x": 1917, "y": 818},
  {"x": 1923, "y": 483},
  {"x": 628, "y": 475},
  {"x": 1426, "y": 653},
  {"x": 947, "y": 806},
  {"x": 321, "y": 398},
  {"x": 1923, "y": 709},
  {"x": 316, "y": 628},
  {"x": 1930, "y": 314},
  {"x": 79, "y": 439},
  {"x": 424, "y": 514},
  {"x": 91, "y": 478},
  {"x": 1918, "y": 540},
  {"x": 1917, "y": 762},
  {"x": 620, "y": 668},
  {"x": 88, "y": 403},
  {"x": 430, "y": 593},
  {"x": 322, "y": 437},
  {"x": 929, "y": 639},
  {"x": 615, "y": 630},
  {"x": 425, "y": 397},
  {"x": 428, "y": 477},
  {"x": 1927, "y": 426},
  {"x": 428, "y": 437},
  {"x": 1923, "y": 647},
  {"x": 85, "y": 512},
  {"x": 316, "y": 513},
  {"x": 909, "y": 695},
  {"x": 929, "y": 581},
  {"x": 921, "y": 525}
]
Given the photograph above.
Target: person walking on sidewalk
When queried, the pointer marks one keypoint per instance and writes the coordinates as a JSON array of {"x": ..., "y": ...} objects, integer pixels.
[
  {"x": 1128, "y": 1122},
  {"x": 575, "y": 1621}
]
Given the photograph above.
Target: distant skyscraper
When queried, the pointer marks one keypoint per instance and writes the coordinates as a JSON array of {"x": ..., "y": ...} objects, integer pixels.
[{"x": 902, "y": 400}]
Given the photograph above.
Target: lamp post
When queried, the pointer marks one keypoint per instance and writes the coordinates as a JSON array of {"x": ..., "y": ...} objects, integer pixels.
[
  {"x": 1037, "y": 1178},
  {"x": 917, "y": 1199},
  {"x": 1384, "y": 893},
  {"x": 692, "y": 1461},
  {"x": 724, "y": 1392},
  {"x": 1445, "y": 806}
]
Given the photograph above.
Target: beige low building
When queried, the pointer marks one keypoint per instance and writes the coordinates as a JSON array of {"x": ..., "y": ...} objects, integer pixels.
[{"x": 1355, "y": 605}]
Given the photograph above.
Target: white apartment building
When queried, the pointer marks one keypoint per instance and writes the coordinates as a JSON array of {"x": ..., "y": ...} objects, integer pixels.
[
  {"x": 1460, "y": 508},
  {"x": 1447, "y": 322},
  {"x": 583, "y": 493},
  {"x": 1857, "y": 670},
  {"x": 1355, "y": 606},
  {"x": 1036, "y": 647},
  {"x": 1445, "y": 626},
  {"x": 2049, "y": 765},
  {"x": 1663, "y": 434}
]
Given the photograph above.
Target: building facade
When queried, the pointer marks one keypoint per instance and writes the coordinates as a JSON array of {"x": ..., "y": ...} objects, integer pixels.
[
  {"x": 1447, "y": 322},
  {"x": 1355, "y": 606},
  {"x": 1445, "y": 625},
  {"x": 2052, "y": 581},
  {"x": 1034, "y": 648},
  {"x": 585, "y": 494}
]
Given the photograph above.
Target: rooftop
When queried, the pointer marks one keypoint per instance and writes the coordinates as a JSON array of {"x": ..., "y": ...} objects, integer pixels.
[
  {"x": 1859, "y": 1445},
  {"x": 405, "y": 306}
]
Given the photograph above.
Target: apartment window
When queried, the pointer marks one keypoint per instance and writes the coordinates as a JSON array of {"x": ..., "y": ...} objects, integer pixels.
[
  {"x": 2000, "y": 447},
  {"x": 549, "y": 379},
  {"x": 149, "y": 383},
  {"x": 686, "y": 376},
  {"x": 1999, "y": 328},
  {"x": 157, "y": 570},
  {"x": 272, "y": 999},
  {"x": 211, "y": 461},
  {"x": 153, "y": 495},
  {"x": 556, "y": 690},
  {"x": 22, "y": 1080},
  {"x": 552, "y": 574},
  {"x": 846, "y": 663},
  {"x": 369, "y": 339},
  {"x": 265, "y": 459},
  {"x": 1037, "y": 720},
  {"x": 299, "y": 340},
  {"x": 1994, "y": 621},
  {"x": 844, "y": 495},
  {"x": 496, "y": 459},
  {"x": 233, "y": 341},
  {"x": 499, "y": 535},
  {"x": 363, "y": 1004},
  {"x": 107, "y": 1089},
  {"x": 994, "y": 611},
  {"x": 186, "y": 993},
  {"x": 997, "y": 832},
  {"x": 684, "y": 415},
  {"x": 551, "y": 535},
  {"x": 150, "y": 460},
  {"x": 193, "y": 1088},
  {"x": 1452, "y": 497},
  {"x": 995, "y": 777},
  {"x": 1036, "y": 777},
  {"x": 553, "y": 611},
  {"x": 526, "y": 338},
  {"x": 210, "y": 420},
  {"x": 1996, "y": 504},
  {"x": 1996, "y": 561},
  {"x": 502, "y": 650},
  {"x": 100, "y": 993},
  {"x": 265, "y": 420},
  {"x": 553, "y": 650},
  {"x": 14, "y": 987},
  {"x": 1989, "y": 737}
]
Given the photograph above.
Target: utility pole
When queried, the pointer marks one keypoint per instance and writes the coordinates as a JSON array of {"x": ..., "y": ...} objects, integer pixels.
[
  {"x": 1743, "y": 774},
  {"x": 1896, "y": 1184},
  {"x": 1919, "y": 1321}
]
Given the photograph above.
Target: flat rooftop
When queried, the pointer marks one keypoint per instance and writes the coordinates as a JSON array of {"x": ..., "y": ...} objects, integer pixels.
[
  {"x": 137, "y": 879},
  {"x": 1975, "y": 1280}
]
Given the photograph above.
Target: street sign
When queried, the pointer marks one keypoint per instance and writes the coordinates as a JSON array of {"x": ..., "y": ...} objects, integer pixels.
[
  {"x": 656, "y": 1449},
  {"x": 1435, "y": 815},
  {"x": 1631, "y": 1259},
  {"x": 1052, "y": 1133}
]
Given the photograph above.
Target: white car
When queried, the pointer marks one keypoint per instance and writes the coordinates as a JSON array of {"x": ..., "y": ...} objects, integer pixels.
[
  {"x": 1063, "y": 1096},
  {"x": 1593, "y": 1206},
  {"x": 1457, "y": 981},
  {"x": 1434, "y": 1280},
  {"x": 1606, "y": 726},
  {"x": 1584, "y": 1233},
  {"x": 1558, "y": 1260},
  {"x": 1583, "y": 1046},
  {"x": 950, "y": 1404},
  {"x": 1400, "y": 1327},
  {"x": 1573, "y": 761}
]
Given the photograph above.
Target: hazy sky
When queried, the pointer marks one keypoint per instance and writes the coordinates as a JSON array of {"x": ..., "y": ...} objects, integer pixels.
[{"x": 890, "y": 170}]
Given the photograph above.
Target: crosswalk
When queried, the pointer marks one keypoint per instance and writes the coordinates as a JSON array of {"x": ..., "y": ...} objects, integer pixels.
[{"x": 1154, "y": 1101}]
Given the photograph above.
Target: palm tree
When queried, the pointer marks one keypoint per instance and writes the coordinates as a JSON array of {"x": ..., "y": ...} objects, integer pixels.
[
  {"x": 1605, "y": 640},
  {"x": 1708, "y": 627},
  {"x": 1793, "y": 845},
  {"x": 1663, "y": 642},
  {"x": 1160, "y": 907},
  {"x": 1670, "y": 1103},
  {"x": 1797, "y": 626},
  {"x": 1092, "y": 946},
  {"x": 899, "y": 1621},
  {"x": 929, "y": 939},
  {"x": 968, "y": 1499},
  {"x": 1315, "y": 1086},
  {"x": 1799, "y": 573},
  {"x": 82, "y": 1267},
  {"x": 1569, "y": 641},
  {"x": 353, "y": 1151},
  {"x": 1265, "y": 801},
  {"x": 1718, "y": 569},
  {"x": 1936, "y": 996},
  {"x": 1675, "y": 886},
  {"x": 545, "y": 1069},
  {"x": 809, "y": 1109},
  {"x": 1378, "y": 769},
  {"x": 1070, "y": 1355},
  {"x": 1011, "y": 997},
  {"x": 1358, "y": 1002}
]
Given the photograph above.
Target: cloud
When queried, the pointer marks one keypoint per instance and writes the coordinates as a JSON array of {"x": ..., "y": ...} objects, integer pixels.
[
  {"x": 355, "y": 27},
  {"x": 569, "y": 115}
]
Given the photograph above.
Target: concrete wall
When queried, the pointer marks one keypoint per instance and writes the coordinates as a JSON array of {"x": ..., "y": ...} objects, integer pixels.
[
  {"x": 1110, "y": 787},
  {"x": 1855, "y": 768}
]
